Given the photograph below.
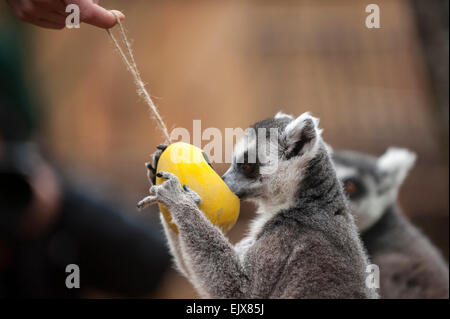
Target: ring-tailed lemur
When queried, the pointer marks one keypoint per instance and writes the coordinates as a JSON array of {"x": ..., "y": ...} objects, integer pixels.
[
  {"x": 410, "y": 266},
  {"x": 303, "y": 244}
]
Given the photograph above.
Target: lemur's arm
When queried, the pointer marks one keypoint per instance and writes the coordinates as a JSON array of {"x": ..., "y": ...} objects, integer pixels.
[
  {"x": 174, "y": 247},
  {"x": 212, "y": 258},
  {"x": 172, "y": 238},
  {"x": 180, "y": 261}
]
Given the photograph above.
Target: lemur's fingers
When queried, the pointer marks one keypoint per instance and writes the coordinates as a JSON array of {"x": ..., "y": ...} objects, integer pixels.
[
  {"x": 150, "y": 172},
  {"x": 147, "y": 201},
  {"x": 169, "y": 176},
  {"x": 197, "y": 199},
  {"x": 152, "y": 167},
  {"x": 162, "y": 147},
  {"x": 153, "y": 189}
]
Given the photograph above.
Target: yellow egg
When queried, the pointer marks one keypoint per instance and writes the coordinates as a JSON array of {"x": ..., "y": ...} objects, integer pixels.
[{"x": 187, "y": 162}]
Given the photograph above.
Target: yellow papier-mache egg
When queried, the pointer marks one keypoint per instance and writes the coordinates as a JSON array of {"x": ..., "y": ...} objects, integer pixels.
[{"x": 188, "y": 163}]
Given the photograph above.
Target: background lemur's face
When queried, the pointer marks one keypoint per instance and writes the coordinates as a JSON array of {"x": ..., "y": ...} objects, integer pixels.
[
  {"x": 268, "y": 160},
  {"x": 372, "y": 183}
]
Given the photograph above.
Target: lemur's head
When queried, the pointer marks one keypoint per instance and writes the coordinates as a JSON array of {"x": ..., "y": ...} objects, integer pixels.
[
  {"x": 268, "y": 160},
  {"x": 372, "y": 183}
]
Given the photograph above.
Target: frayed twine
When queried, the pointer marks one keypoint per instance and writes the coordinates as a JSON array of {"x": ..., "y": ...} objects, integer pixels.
[{"x": 132, "y": 67}]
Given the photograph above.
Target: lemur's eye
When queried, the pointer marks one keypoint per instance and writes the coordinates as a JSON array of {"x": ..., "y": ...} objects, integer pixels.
[
  {"x": 249, "y": 169},
  {"x": 350, "y": 187},
  {"x": 353, "y": 188}
]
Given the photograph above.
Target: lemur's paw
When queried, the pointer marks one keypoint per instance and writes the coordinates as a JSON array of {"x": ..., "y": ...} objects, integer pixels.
[
  {"x": 170, "y": 193},
  {"x": 151, "y": 166},
  {"x": 195, "y": 197}
]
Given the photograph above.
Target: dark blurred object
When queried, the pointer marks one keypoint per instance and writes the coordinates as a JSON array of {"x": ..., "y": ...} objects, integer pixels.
[
  {"x": 117, "y": 255},
  {"x": 15, "y": 189},
  {"x": 431, "y": 19},
  {"x": 432, "y": 26}
]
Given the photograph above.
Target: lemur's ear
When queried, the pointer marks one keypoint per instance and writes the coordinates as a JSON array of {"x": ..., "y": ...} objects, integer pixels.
[
  {"x": 281, "y": 115},
  {"x": 301, "y": 135},
  {"x": 395, "y": 165}
]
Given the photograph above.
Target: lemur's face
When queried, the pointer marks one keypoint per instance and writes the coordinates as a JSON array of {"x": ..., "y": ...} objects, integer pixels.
[
  {"x": 267, "y": 161},
  {"x": 371, "y": 184}
]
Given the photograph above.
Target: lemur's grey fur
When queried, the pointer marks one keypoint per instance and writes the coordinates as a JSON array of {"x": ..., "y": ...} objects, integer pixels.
[
  {"x": 410, "y": 266},
  {"x": 303, "y": 244}
]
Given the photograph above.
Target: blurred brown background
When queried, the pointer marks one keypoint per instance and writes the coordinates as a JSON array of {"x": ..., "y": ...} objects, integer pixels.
[{"x": 230, "y": 63}]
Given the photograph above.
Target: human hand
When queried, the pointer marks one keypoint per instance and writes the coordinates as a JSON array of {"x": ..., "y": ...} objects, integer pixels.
[{"x": 52, "y": 13}]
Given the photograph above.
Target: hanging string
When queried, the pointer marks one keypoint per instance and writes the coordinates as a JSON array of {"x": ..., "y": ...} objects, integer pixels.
[{"x": 132, "y": 67}]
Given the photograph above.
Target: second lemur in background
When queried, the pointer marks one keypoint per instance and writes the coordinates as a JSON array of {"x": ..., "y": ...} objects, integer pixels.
[{"x": 410, "y": 266}]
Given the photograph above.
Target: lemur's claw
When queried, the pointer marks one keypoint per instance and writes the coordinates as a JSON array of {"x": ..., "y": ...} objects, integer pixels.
[
  {"x": 150, "y": 172},
  {"x": 167, "y": 175},
  {"x": 150, "y": 167}
]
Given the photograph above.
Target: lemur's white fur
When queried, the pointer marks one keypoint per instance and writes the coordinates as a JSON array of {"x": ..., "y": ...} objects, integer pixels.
[
  {"x": 266, "y": 212},
  {"x": 372, "y": 206},
  {"x": 399, "y": 161},
  {"x": 296, "y": 126},
  {"x": 281, "y": 115},
  {"x": 343, "y": 172}
]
